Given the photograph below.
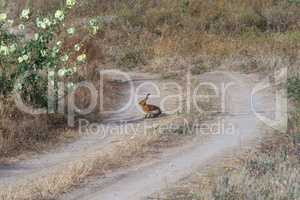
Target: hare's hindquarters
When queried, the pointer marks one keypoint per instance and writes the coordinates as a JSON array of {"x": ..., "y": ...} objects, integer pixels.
[{"x": 154, "y": 113}]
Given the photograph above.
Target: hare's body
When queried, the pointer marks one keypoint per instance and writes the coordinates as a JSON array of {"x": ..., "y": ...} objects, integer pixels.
[{"x": 151, "y": 111}]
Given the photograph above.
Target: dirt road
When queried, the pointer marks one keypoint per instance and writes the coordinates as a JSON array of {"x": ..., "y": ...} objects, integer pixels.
[
  {"x": 234, "y": 128},
  {"x": 139, "y": 182}
]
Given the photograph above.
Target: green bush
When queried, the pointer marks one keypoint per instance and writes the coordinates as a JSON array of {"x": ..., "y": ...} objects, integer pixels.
[{"x": 29, "y": 65}]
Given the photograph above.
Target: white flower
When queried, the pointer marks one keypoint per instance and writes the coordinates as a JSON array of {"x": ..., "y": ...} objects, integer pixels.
[
  {"x": 4, "y": 50},
  {"x": 93, "y": 22},
  {"x": 77, "y": 47},
  {"x": 12, "y": 48},
  {"x": 59, "y": 43},
  {"x": 81, "y": 58},
  {"x": 64, "y": 58},
  {"x": 3, "y": 17},
  {"x": 70, "y": 3},
  {"x": 54, "y": 21},
  {"x": 40, "y": 23},
  {"x": 59, "y": 14},
  {"x": 61, "y": 72},
  {"x": 18, "y": 87},
  {"x": 70, "y": 86},
  {"x": 71, "y": 31},
  {"x": 47, "y": 21},
  {"x": 21, "y": 27},
  {"x": 43, "y": 53},
  {"x": 94, "y": 26},
  {"x": 25, "y": 14},
  {"x": 44, "y": 23},
  {"x": 23, "y": 58}
]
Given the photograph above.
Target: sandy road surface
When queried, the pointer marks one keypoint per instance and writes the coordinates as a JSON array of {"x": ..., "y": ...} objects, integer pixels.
[{"x": 240, "y": 127}]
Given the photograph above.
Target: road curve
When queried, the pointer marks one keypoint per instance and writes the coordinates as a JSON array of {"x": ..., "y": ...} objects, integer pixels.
[{"x": 139, "y": 182}]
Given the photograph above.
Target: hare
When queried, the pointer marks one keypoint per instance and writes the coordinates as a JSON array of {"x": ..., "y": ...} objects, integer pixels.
[{"x": 151, "y": 111}]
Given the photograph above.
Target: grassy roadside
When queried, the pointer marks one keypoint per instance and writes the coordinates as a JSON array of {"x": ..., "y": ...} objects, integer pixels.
[
  {"x": 269, "y": 171},
  {"x": 121, "y": 154},
  {"x": 20, "y": 132}
]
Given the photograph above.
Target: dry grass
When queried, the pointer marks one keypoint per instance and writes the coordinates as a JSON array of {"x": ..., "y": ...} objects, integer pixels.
[
  {"x": 167, "y": 37},
  {"x": 271, "y": 172},
  {"x": 63, "y": 178},
  {"x": 20, "y": 132},
  {"x": 143, "y": 31}
]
